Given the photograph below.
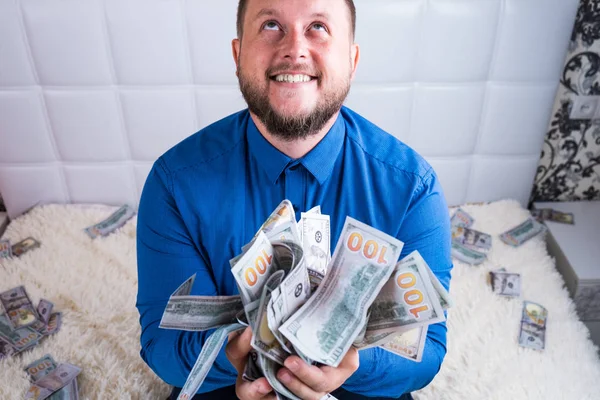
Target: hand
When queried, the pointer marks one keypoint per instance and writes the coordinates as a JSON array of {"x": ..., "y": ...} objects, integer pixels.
[
  {"x": 310, "y": 382},
  {"x": 237, "y": 349}
]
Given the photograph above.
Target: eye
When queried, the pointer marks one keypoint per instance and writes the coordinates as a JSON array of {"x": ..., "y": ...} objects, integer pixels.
[
  {"x": 319, "y": 27},
  {"x": 270, "y": 26}
]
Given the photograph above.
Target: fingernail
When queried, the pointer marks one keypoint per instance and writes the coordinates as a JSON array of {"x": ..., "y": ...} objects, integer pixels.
[
  {"x": 285, "y": 377},
  {"x": 293, "y": 365},
  {"x": 263, "y": 389}
]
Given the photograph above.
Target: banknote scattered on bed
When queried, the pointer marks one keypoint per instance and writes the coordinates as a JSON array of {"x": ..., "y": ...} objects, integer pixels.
[
  {"x": 23, "y": 326},
  {"x": 111, "y": 223},
  {"x": 300, "y": 300},
  {"x": 51, "y": 380}
]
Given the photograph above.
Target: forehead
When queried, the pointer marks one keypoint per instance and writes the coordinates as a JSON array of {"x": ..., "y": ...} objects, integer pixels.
[{"x": 334, "y": 10}]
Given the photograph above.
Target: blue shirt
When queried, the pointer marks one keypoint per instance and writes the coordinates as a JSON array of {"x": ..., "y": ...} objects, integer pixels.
[{"x": 206, "y": 197}]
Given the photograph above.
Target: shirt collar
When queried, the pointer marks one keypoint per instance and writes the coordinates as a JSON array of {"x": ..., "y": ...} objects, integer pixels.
[{"x": 319, "y": 161}]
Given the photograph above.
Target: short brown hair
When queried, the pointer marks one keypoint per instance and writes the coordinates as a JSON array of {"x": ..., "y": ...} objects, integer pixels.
[{"x": 242, "y": 11}]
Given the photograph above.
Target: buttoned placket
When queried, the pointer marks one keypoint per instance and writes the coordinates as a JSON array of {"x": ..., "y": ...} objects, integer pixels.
[{"x": 295, "y": 185}]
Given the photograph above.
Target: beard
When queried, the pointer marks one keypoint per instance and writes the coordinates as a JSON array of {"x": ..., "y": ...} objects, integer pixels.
[{"x": 292, "y": 127}]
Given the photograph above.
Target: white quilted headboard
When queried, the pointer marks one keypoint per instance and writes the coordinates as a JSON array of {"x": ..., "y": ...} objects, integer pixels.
[{"x": 93, "y": 91}]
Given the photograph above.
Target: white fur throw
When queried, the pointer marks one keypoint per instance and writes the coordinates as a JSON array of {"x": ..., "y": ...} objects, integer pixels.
[{"x": 94, "y": 284}]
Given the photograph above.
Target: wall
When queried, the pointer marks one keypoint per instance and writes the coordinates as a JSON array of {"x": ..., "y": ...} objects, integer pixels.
[{"x": 569, "y": 167}]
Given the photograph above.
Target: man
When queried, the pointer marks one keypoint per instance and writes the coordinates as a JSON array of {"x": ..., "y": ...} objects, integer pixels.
[{"x": 206, "y": 197}]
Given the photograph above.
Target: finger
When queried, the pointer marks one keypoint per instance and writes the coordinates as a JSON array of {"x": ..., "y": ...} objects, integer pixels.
[
  {"x": 310, "y": 375},
  {"x": 298, "y": 387},
  {"x": 348, "y": 365},
  {"x": 257, "y": 390},
  {"x": 238, "y": 348}
]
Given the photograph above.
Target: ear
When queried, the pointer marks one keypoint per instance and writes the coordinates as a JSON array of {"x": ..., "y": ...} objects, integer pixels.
[
  {"x": 355, "y": 57},
  {"x": 235, "y": 49}
]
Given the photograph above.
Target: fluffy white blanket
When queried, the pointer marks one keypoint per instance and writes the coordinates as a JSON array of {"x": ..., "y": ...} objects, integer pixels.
[{"x": 93, "y": 282}]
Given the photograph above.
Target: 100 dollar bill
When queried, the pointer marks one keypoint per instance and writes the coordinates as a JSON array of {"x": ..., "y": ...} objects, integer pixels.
[{"x": 324, "y": 328}]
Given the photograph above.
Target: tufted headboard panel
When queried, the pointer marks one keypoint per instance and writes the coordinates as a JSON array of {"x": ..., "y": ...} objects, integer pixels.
[{"x": 93, "y": 91}]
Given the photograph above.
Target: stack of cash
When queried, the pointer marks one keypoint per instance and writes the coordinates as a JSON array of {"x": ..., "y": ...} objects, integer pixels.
[
  {"x": 22, "y": 326},
  {"x": 533, "y": 326},
  {"x": 548, "y": 214},
  {"x": 505, "y": 283},
  {"x": 468, "y": 245},
  {"x": 112, "y": 223},
  {"x": 523, "y": 232},
  {"x": 300, "y": 301},
  {"x": 51, "y": 380}
]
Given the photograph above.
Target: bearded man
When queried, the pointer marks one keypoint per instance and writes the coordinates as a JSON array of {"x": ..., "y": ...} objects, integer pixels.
[{"x": 206, "y": 197}]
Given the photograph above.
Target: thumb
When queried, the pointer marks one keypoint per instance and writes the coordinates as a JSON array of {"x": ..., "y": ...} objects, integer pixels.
[{"x": 238, "y": 348}]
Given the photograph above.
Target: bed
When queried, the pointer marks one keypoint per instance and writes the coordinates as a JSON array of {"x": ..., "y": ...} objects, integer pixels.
[{"x": 81, "y": 131}]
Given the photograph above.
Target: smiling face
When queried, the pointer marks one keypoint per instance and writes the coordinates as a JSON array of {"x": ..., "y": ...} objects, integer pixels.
[{"x": 295, "y": 61}]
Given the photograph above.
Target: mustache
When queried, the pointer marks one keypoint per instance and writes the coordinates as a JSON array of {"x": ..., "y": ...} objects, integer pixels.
[{"x": 300, "y": 68}]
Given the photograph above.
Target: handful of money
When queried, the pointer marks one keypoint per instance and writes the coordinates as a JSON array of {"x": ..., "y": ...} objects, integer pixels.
[{"x": 297, "y": 304}]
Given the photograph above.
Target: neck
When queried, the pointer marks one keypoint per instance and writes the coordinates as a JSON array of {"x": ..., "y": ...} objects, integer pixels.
[{"x": 294, "y": 148}]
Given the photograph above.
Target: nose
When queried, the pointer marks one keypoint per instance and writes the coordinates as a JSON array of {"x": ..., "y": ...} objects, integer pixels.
[{"x": 295, "y": 46}]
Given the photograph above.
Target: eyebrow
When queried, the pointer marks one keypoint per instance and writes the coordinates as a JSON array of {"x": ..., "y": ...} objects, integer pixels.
[{"x": 272, "y": 12}]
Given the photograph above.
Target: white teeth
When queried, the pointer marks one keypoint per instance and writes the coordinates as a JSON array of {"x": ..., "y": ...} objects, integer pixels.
[{"x": 292, "y": 78}]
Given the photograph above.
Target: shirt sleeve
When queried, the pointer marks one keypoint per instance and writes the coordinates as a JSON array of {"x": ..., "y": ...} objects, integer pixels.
[
  {"x": 426, "y": 228},
  {"x": 167, "y": 256}
]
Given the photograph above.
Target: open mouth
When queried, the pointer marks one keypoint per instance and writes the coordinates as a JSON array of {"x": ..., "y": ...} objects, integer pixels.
[{"x": 288, "y": 78}]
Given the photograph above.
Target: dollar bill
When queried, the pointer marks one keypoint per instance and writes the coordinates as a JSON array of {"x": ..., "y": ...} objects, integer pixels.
[
  {"x": 523, "y": 232},
  {"x": 6, "y": 329},
  {"x": 200, "y": 313},
  {"x": 409, "y": 344},
  {"x": 27, "y": 338},
  {"x": 263, "y": 340},
  {"x": 112, "y": 223},
  {"x": 314, "y": 210},
  {"x": 5, "y": 249},
  {"x": 253, "y": 269},
  {"x": 461, "y": 218},
  {"x": 563, "y": 218},
  {"x": 205, "y": 360},
  {"x": 471, "y": 238},
  {"x": 542, "y": 214},
  {"x": 36, "y": 392},
  {"x": 59, "y": 377},
  {"x": 316, "y": 241},
  {"x": 40, "y": 367},
  {"x": 289, "y": 296},
  {"x": 6, "y": 348},
  {"x": 533, "y": 326},
  {"x": 282, "y": 214},
  {"x": 506, "y": 283},
  {"x": 407, "y": 300},
  {"x": 548, "y": 214},
  {"x": 286, "y": 231},
  {"x": 18, "y": 307},
  {"x": 270, "y": 368},
  {"x": 466, "y": 255},
  {"x": 324, "y": 328},
  {"x": 44, "y": 309},
  {"x": 69, "y": 392},
  {"x": 54, "y": 324},
  {"x": 443, "y": 295},
  {"x": 25, "y": 245}
]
